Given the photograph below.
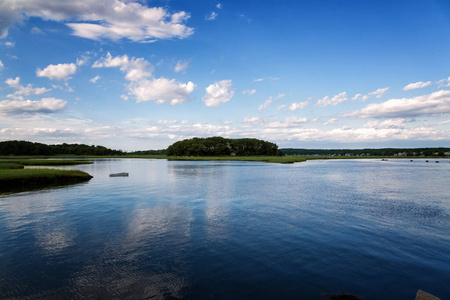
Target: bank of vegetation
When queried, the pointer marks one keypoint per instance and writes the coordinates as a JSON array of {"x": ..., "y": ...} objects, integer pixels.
[
  {"x": 219, "y": 146},
  {"x": 382, "y": 152},
  {"x": 14, "y": 177}
]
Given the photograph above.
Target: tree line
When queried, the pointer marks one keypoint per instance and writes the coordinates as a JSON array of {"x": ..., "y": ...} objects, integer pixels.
[
  {"x": 30, "y": 148},
  {"x": 370, "y": 152},
  {"x": 219, "y": 146}
]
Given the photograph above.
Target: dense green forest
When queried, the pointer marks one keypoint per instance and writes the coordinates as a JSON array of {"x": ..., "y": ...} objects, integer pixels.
[
  {"x": 30, "y": 148},
  {"x": 219, "y": 146},
  {"x": 370, "y": 152}
]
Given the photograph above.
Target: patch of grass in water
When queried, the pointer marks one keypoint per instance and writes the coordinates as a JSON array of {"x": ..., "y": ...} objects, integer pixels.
[{"x": 30, "y": 179}]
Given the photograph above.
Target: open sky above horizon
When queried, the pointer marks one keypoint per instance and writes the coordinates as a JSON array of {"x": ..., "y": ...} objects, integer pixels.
[{"x": 138, "y": 75}]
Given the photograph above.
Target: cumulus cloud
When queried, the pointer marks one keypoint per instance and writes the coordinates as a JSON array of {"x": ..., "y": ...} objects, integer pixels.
[
  {"x": 219, "y": 5},
  {"x": 143, "y": 85},
  {"x": 23, "y": 90},
  {"x": 58, "y": 72},
  {"x": 13, "y": 82},
  {"x": 379, "y": 93},
  {"x": 45, "y": 105},
  {"x": 249, "y": 92},
  {"x": 1, "y": 65},
  {"x": 300, "y": 105},
  {"x": 134, "y": 68},
  {"x": 107, "y": 19},
  {"x": 218, "y": 93},
  {"x": 360, "y": 97},
  {"x": 181, "y": 66},
  {"x": 335, "y": 100},
  {"x": 212, "y": 16},
  {"x": 427, "y": 105},
  {"x": 161, "y": 90},
  {"x": 416, "y": 85}
]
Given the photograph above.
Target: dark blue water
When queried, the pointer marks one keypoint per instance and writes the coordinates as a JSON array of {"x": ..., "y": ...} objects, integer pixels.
[{"x": 232, "y": 230}]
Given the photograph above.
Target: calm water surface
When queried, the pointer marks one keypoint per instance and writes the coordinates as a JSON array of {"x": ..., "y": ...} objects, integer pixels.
[{"x": 232, "y": 230}]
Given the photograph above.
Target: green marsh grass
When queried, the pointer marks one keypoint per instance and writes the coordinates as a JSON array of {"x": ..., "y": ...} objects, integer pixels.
[{"x": 28, "y": 179}]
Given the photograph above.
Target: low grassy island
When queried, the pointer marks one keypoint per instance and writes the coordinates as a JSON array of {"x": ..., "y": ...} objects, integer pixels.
[{"x": 14, "y": 177}]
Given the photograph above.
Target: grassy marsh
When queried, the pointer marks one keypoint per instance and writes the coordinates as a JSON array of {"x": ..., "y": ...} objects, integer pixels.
[{"x": 13, "y": 176}]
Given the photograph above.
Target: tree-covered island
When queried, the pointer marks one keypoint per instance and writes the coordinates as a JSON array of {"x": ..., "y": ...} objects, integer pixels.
[{"x": 219, "y": 146}]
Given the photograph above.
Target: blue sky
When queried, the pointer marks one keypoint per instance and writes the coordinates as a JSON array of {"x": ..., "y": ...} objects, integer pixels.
[{"x": 137, "y": 75}]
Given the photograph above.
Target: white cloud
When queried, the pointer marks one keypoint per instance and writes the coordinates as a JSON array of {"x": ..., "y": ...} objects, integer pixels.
[
  {"x": 433, "y": 104},
  {"x": 300, "y": 105},
  {"x": 387, "y": 124},
  {"x": 94, "y": 79},
  {"x": 379, "y": 93},
  {"x": 249, "y": 92},
  {"x": 45, "y": 105},
  {"x": 251, "y": 119},
  {"x": 329, "y": 122},
  {"x": 135, "y": 68},
  {"x": 289, "y": 122},
  {"x": 36, "y": 30},
  {"x": 13, "y": 82},
  {"x": 444, "y": 82},
  {"x": 181, "y": 66},
  {"x": 58, "y": 72},
  {"x": 258, "y": 80},
  {"x": 265, "y": 104},
  {"x": 360, "y": 97},
  {"x": 143, "y": 85},
  {"x": 23, "y": 90},
  {"x": 9, "y": 44},
  {"x": 161, "y": 90},
  {"x": 219, "y": 5},
  {"x": 1, "y": 65},
  {"x": 107, "y": 19},
  {"x": 335, "y": 100},
  {"x": 212, "y": 16},
  {"x": 218, "y": 93},
  {"x": 416, "y": 85}
]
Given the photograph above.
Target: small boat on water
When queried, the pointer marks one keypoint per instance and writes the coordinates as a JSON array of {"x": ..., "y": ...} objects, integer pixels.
[
  {"x": 123, "y": 174},
  {"x": 384, "y": 159}
]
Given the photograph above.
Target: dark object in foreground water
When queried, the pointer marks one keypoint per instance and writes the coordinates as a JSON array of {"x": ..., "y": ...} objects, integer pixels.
[
  {"x": 123, "y": 174},
  {"x": 342, "y": 296}
]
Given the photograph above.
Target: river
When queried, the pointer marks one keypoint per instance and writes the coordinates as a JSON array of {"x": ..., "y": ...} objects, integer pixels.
[{"x": 232, "y": 230}]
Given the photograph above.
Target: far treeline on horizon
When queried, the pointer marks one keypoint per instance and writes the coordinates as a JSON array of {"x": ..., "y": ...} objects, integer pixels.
[{"x": 212, "y": 146}]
